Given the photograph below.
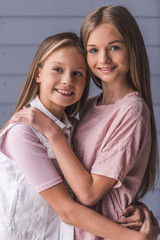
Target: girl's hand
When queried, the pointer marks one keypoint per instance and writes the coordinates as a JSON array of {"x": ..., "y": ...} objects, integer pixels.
[
  {"x": 150, "y": 228},
  {"x": 132, "y": 217},
  {"x": 37, "y": 120}
]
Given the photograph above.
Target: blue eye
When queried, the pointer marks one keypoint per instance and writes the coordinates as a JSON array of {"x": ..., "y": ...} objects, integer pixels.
[
  {"x": 57, "y": 69},
  {"x": 114, "y": 48},
  {"x": 79, "y": 74},
  {"x": 93, "y": 50}
]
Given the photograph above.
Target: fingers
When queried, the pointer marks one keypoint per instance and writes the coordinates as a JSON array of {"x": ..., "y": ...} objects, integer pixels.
[
  {"x": 154, "y": 220},
  {"x": 132, "y": 214},
  {"x": 24, "y": 115},
  {"x": 150, "y": 225},
  {"x": 126, "y": 212},
  {"x": 127, "y": 220},
  {"x": 132, "y": 217},
  {"x": 130, "y": 222},
  {"x": 133, "y": 226}
]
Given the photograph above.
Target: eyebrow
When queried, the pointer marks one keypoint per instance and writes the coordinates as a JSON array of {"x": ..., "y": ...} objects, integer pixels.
[
  {"x": 116, "y": 41},
  {"x": 57, "y": 62},
  {"x": 81, "y": 68}
]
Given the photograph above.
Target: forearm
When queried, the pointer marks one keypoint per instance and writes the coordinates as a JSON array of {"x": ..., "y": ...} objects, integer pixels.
[
  {"x": 95, "y": 223},
  {"x": 84, "y": 218},
  {"x": 79, "y": 179}
]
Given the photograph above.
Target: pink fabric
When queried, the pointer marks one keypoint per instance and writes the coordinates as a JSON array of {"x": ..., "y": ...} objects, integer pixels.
[
  {"x": 22, "y": 145},
  {"x": 114, "y": 141}
]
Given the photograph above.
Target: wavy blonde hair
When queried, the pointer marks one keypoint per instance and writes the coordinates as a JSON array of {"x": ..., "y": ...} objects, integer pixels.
[
  {"x": 139, "y": 74},
  {"x": 48, "y": 46}
]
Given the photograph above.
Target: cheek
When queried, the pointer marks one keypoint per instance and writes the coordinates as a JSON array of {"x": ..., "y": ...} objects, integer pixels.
[
  {"x": 123, "y": 62},
  {"x": 126, "y": 64},
  {"x": 81, "y": 87},
  {"x": 126, "y": 61},
  {"x": 90, "y": 61}
]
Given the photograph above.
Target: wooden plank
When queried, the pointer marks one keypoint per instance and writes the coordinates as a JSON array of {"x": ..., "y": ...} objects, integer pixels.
[
  {"x": 32, "y": 30},
  {"x": 154, "y": 59},
  {"x": 11, "y": 85},
  {"x": 74, "y": 8},
  {"x": 17, "y": 59},
  {"x": 6, "y": 111},
  {"x": 157, "y": 116},
  {"x": 150, "y": 28},
  {"x": 154, "y": 204},
  {"x": 155, "y": 86}
]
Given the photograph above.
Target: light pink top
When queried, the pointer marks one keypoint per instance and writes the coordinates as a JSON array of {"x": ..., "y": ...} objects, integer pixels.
[
  {"x": 114, "y": 141},
  {"x": 33, "y": 153},
  {"x": 23, "y": 146}
]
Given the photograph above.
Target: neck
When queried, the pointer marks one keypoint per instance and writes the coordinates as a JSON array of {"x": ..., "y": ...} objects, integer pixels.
[
  {"x": 57, "y": 114},
  {"x": 111, "y": 95},
  {"x": 56, "y": 110}
]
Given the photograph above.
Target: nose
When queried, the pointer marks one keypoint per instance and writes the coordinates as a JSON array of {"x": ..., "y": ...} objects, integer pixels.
[
  {"x": 67, "y": 79},
  {"x": 104, "y": 57}
]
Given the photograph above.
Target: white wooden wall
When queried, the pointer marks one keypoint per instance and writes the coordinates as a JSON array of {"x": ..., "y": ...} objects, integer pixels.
[{"x": 24, "y": 24}]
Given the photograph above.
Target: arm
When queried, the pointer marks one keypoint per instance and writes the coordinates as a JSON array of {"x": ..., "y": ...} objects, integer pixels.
[
  {"x": 93, "y": 187},
  {"x": 75, "y": 214},
  {"x": 121, "y": 148},
  {"x": 59, "y": 198},
  {"x": 89, "y": 188}
]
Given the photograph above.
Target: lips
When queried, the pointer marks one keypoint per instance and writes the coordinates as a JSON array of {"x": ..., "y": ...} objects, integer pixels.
[
  {"x": 64, "y": 92},
  {"x": 107, "y": 69}
]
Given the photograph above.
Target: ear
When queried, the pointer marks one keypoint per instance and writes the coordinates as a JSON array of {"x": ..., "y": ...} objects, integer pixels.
[{"x": 37, "y": 75}]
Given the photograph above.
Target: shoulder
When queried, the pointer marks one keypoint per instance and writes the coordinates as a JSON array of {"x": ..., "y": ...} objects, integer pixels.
[
  {"x": 20, "y": 132},
  {"x": 135, "y": 105},
  {"x": 20, "y": 140},
  {"x": 20, "y": 128}
]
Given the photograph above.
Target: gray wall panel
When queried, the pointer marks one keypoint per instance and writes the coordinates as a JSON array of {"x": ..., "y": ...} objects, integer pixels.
[
  {"x": 16, "y": 59},
  {"x": 10, "y": 85},
  {"x": 73, "y": 7},
  {"x": 32, "y": 30}
]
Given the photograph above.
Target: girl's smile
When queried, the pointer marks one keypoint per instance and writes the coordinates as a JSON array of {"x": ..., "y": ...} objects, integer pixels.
[
  {"x": 64, "y": 92},
  {"x": 107, "y": 69},
  {"x": 107, "y": 54},
  {"x": 61, "y": 79}
]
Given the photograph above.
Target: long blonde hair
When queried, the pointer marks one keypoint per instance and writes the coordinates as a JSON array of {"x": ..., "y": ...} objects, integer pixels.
[
  {"x": 139, "y": 74},
  {"x": 49, "y": 45}
]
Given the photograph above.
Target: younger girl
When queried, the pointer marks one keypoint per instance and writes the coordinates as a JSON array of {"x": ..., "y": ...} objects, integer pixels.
[
  {"x": 54, "y": 85},
  {"x": 115, "y": 138}
]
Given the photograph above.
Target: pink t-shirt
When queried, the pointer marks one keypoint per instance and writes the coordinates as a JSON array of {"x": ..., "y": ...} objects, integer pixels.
[
  {"x": 22, "y": 145},
  {"x": 114, "y": 141}
]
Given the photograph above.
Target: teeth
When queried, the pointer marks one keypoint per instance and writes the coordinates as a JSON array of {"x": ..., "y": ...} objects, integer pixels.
[
  {"x": 105, "y": 69},
  {"x": 64, "y": 92}
]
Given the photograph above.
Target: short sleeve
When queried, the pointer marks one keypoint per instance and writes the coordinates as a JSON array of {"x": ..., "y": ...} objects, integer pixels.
[
  {"x": 22, "y": 145},
  {"x": 128, "y": 148}
]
